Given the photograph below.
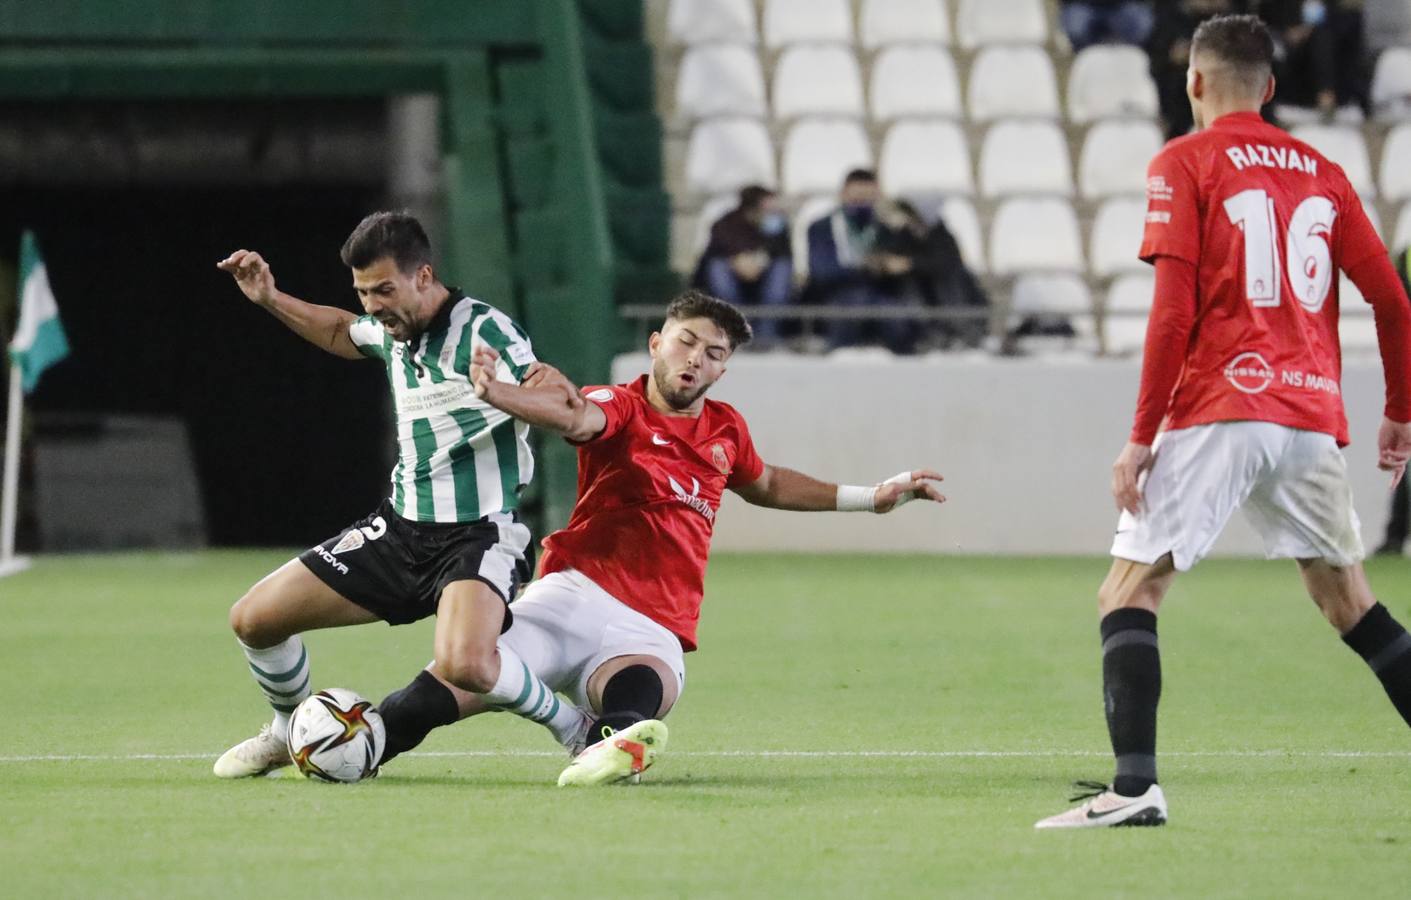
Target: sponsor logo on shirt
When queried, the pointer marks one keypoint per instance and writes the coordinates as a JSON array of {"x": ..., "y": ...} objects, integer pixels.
[
  {"x": 1249, "y": 372},
  {"x": 1158, "y": 190},
  {"x": 692, "y": 499}
]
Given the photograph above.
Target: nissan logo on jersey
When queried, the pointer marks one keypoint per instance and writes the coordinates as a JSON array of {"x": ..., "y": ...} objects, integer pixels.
[{"x": 1249, "y": 372}]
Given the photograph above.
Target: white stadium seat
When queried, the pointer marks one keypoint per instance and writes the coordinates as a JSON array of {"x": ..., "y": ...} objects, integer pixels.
[
  {"x": 727, "y": 154},
  {"x": 812, "y": 79},
  {"x": 1012, "y": 82},
  {"x": 1374, "y": 217},
  {"x": 1391, "y": 83},
  {"x": 806, "y": 21},
  {"x": 819, "y": 152},
  {"x": 1402, "y": 236},
  {"x": 706, "y": 21},
  {"x": 1057, "y": 293},
  {"x": 709, "y": 214},
  {"x": 963, "y": 223},
  {"x": 903, "y": 22},
  {"x": 914, "y": 81},
  {"x": 720, "y": 80},
  {"x": 1345, "y": 146},
  {"x": 1022, "y": 157},
  {"x": 1396, "y": 164},
  {"x": 1031, "y": 234},
  {"x": 1117, "y": 236},
  {"x": 980, "y": 22},
  {"x": 812, "y": 209},
  {"x": 1115, "y": 156},
  {"x": 1126, "y": 311},
  {"x": 1109, "y": 80},
  {"x": 1357, "y": 329},
  {"x": 926, "y": 157}
]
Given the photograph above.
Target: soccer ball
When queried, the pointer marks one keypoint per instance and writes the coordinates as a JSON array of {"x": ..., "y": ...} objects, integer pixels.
[{"x": 335, "y": 735}]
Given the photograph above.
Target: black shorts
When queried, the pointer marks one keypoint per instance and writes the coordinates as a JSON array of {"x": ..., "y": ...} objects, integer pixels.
[{"x": 396, "y": 569}]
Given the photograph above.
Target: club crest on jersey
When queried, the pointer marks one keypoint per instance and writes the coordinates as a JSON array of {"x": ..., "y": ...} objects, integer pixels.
[
  {"x": 693, "y": 499},
  {"x": 1249, "y": 372},
  {"x": 717, "y": 456}
]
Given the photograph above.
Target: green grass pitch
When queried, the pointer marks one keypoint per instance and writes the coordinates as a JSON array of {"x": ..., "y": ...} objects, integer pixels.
[{"x": 855, "y": 726}]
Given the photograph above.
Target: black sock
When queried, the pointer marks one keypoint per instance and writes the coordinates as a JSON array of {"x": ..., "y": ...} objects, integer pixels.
[
  {"x": 1384, "y": 644},
  {"x": 629, "y": 697},
  {"x": 1131, "y": 687},
  {"x": 412, "y": 712}
]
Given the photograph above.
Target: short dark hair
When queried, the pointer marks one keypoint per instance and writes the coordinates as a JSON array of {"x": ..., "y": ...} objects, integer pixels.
[
  {"x": 382, "y": 234},
  {"x": 1242, "y": 43},
  {"x": 695, "y": 304},
  {"x": 751, "y": 197},
  {"x": 864, "y": 175}
]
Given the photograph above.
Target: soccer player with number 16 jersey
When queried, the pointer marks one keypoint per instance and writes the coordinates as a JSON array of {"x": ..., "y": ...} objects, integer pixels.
[{"x": 1247, "y": 228}]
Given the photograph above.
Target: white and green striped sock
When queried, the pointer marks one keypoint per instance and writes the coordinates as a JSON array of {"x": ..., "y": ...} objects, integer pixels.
[
  {"x": 523, "y": 693},
  {"x": 282, "y": 672}
]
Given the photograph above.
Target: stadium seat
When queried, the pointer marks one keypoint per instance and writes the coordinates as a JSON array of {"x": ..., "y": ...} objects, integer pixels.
[
  {"x": 926, "y": 157},
  {"x": 1032, "y": 234},
  {"x": 914, "y": 81},
  {"x": 1012, "y": 82},
  {"x": 727, "y": 154},
  {"x": 961, "y": 220},
  {"x": 817, "y": 80},
  {"x": 706, "y": 21},
  {"x": 807, "y": 21},
  {"x": 819, "y": 152},
  {"x": 709, "y": 214},
  {"x": 1402, "y": 236},
  {"x": 720, "y": 80},
  {"x": 1019, "y": 157},
  {"x": 1057, "y": 294},
  {"x": 1117, "y": 236},
  {"x": 1374, "y": 217},
  {"x": 1125, "y": 313},
  {"x": 903, "y": 22},
  {"x": 1395, "y": 181},
  {"x": 1346, "y": 147},
  {"x": 1357, "y": 329},
  {"x": 1109, "y": 80},
  {"x": 1391, "y": 84},
  {"x": 810, "y": 211},
  {"x": 979, "y": 22},
  {"x": 1115, "y": 156}
]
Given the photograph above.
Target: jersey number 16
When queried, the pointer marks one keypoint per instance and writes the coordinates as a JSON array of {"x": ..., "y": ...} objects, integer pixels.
[{"x": 1309, "y": 256}]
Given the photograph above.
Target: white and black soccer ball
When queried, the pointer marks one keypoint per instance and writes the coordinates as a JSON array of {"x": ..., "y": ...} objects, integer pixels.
[{"x": 336, "y": 735}]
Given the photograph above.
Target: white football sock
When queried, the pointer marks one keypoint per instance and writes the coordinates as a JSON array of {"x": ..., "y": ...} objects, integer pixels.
[
  {"x": 523, "y": 693},
  {"x": 282, "y": 672}
]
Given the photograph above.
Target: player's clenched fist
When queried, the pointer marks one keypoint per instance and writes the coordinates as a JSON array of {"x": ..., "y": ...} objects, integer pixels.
[{"x": 252, "y": 275}]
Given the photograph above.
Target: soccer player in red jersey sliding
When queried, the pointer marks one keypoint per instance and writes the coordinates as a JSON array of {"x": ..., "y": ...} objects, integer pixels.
[
  {"x": 619, "y": 594},
  {"x": 1247, "y": 228}
]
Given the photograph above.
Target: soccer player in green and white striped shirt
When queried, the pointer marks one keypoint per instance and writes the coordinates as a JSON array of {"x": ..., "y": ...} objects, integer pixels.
[{"x": 447, "y": 542}]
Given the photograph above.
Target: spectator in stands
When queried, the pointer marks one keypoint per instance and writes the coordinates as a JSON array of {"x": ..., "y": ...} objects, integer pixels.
[
  {"x": 1399, "y": 521},
  {"x": 1170, "y": 50},
  {"x": 749, "y": 261},
  {"x": 1320, "y": 61},
  {"x": 846, "y": 267},
  {"x": 1088, "y": 22},
  {"x": 930, "y": 271}
]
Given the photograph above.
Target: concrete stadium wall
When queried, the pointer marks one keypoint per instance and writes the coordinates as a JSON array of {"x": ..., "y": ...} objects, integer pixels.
[{"x": 1025, "y": 445}]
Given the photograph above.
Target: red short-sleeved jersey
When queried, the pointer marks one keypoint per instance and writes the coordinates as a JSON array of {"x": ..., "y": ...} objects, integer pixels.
[
  {"x": 1268, "y": 222},
  {"x": 648, "y": 489}
]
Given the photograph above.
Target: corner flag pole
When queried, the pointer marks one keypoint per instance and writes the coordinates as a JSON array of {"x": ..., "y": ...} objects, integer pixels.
[{"x": 10, "y": 494}]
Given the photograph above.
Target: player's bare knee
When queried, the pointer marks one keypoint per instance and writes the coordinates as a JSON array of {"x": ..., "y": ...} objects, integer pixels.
[
  {"x": 469, "y": 670},
  {"x": 252, "y": 623}
]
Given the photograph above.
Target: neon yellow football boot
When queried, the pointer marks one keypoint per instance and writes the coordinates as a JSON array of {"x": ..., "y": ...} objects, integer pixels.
[{"x": 619, "y": 756}]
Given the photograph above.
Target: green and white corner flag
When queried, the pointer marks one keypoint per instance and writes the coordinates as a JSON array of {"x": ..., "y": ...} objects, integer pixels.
[{"x": 39, "y": 337}]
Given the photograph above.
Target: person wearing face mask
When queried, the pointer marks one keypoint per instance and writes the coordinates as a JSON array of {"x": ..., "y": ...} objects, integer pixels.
[
  {"x": 748, "y": 260},
  {"x": 1320, "y": 61},
  {"x": 846, "y": 266}
]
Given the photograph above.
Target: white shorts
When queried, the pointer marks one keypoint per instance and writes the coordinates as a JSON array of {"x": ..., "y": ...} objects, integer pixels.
[
  {"x": 1292, "y": 485},
  {"x": 565, "y": 626}
]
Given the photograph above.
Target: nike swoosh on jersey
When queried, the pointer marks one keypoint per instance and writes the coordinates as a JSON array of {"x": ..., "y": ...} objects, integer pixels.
[{"x": 656, "y": 439}]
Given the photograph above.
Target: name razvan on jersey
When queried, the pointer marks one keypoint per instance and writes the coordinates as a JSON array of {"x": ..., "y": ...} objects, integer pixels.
[{"x": 1273, "y": 157}]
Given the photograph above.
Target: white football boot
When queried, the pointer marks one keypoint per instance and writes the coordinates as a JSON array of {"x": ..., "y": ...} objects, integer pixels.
[
  {"x": 1105, "y": 808},
  {"x": 620, "y": 756},
  {"x": 258, "y": 755}
]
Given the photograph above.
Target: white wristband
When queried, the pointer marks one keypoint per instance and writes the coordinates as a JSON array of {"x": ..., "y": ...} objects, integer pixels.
[{"x": 853, "y": 498}]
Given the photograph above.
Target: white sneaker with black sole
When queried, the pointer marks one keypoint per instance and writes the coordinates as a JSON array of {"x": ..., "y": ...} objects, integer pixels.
[{"x": 1105, "y": 808}]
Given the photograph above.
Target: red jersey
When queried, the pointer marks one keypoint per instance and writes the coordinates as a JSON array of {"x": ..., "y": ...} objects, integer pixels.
[
  {"x": 648, "y": 489},
  {"x": 1267, "y": 221}
]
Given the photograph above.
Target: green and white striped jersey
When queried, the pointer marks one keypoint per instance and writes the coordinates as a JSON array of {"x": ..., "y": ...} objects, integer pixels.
[{"x": 458, "y": 458}]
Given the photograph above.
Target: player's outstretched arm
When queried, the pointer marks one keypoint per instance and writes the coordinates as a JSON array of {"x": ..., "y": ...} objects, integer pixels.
[
  {"x": 325, "y": 327},
  {"x": 546, "y": 399},
  {"x": 781, "y": 488}
]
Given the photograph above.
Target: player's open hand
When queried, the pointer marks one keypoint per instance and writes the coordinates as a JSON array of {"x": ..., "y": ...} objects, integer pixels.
[
  {"x": 1131, "y": 463},
  {"x": 252, "y": 275},
  {"x": 483, "y": 363},
  {"x": 542, "y": 375},
  {"x": 919, "y": 484},
  {"x": 1394, "y": 448}
]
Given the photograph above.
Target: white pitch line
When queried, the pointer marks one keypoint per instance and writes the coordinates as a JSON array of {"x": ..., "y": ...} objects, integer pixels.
[{"x": 781, "y": 754}]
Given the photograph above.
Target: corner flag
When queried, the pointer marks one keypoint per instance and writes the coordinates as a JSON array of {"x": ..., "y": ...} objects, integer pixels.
[{"x": 39, "y": 337}]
